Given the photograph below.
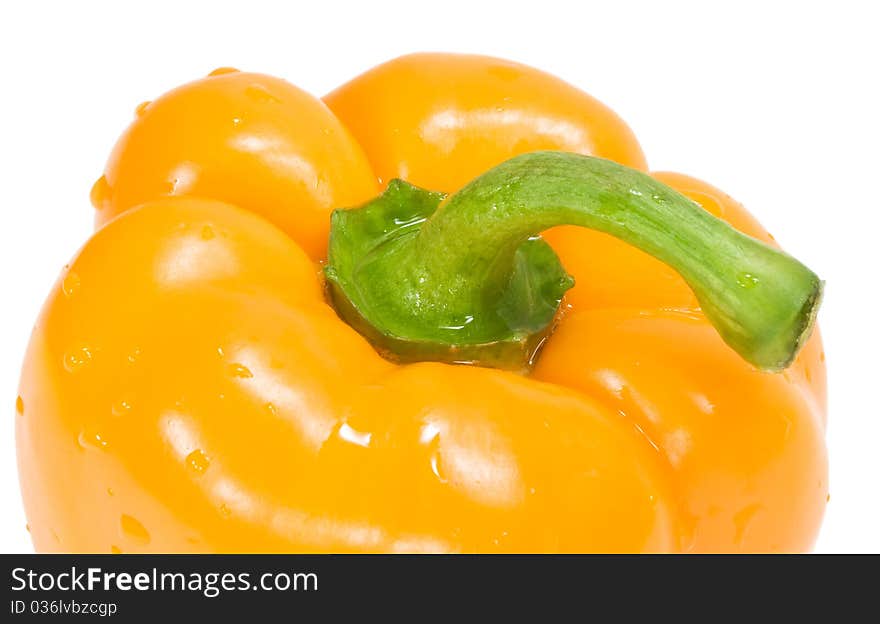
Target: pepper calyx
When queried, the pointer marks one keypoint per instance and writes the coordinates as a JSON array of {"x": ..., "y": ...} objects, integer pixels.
[{"x": 365, "y": 295}]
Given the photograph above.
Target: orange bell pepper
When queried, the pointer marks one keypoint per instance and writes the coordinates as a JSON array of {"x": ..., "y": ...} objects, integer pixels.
[{"x": 189, "y": 388}]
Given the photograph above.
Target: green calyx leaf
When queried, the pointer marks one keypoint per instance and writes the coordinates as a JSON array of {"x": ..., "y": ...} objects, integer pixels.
[{"x": 505, "y": 326}]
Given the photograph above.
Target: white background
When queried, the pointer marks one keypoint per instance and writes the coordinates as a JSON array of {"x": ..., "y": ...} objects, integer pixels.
[{"x": 774, "y": 102}]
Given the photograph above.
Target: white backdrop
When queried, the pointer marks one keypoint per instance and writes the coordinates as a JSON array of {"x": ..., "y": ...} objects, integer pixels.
[{"x": 776, "y": 103}]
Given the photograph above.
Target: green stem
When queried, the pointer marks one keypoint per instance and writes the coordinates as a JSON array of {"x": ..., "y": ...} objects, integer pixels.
[{"x": 465, "y": 278}]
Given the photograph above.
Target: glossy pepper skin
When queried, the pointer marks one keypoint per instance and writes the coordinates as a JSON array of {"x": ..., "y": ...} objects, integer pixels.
[
  {"x": 439, "y": 120},
  {"x": 249, "y": 139},
  {"x": 188, "y": 388}
]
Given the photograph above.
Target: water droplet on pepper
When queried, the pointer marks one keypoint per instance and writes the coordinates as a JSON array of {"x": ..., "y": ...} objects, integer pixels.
[
  {"x": 134, "y": 355},
  {"x": 89, "y": 439},
  {"x": 260, "y": 93},
  {"x": 240, "y": 370},
  {"x": 133, "y": 529},
  {"x": 197, "y": 461},
  {"x": 70, "y": 284},
  {"x": 224, "y": 70},
  {"x": 100, "y": 193},
  {"x": 121, "y": 408},
  {"x": 75, "y": 359}
]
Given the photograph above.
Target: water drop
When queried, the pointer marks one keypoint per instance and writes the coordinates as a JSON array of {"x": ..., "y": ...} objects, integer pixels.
[
  {"x": 747, "y": 280},
  {"x": 133, "y": 529},
  {"x": 134, "y": 355},
  {"x": 70, "y": 284},
  {"x": 240, "y": 370},
  {"x": 437, "y": 467},
  {"x": 260, "y": 93},
  {"x": 197, "y": 461},
  {"x": 223, "y": 70},
  {"x": 88, "y": 440},
  {"x": 110, "y": 492},
  {"x": 121, "y": 408},
  {"x": 114, "y": 549},
  {"x": 236, "y": 121},
  {"x": 430, "y": 435},
  {"x": 75, "y": 359},
  {"x": 507, "y": 73},
  {"x": 19, "y": 406},
  {"x": 27, "y": 528},
  {"x": 100, "y": 193},
  {"x": 207, "y": 232},
  {"x": 141, "y": 108},
  {"x": 703, "y": 403},
  {"x": 461, "y": 323},
  {"x": 224, "y": 510},
  {"x": 270, "y": 407}
]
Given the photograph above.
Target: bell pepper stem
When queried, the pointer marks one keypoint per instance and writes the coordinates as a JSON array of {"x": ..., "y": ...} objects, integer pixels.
[{"x": 464, "y": 278}]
